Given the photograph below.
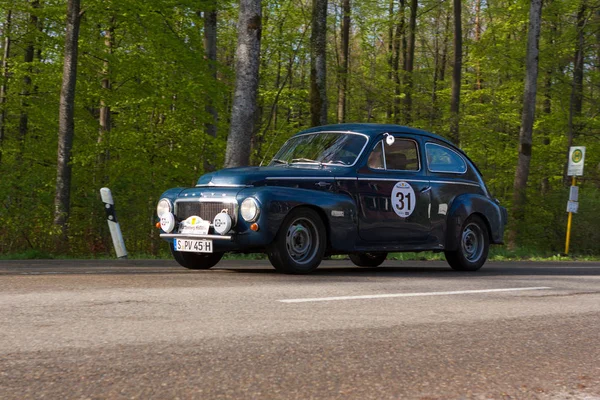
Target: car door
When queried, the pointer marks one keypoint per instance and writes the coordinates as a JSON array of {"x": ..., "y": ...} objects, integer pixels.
[{"x": 394, "y": 193}]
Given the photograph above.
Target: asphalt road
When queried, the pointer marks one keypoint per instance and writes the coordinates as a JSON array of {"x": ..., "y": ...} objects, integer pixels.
[{"x": 407, "y": 330}]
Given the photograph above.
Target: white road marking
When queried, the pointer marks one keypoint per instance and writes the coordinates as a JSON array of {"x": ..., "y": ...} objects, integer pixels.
[{"x": 387, "y": 296}]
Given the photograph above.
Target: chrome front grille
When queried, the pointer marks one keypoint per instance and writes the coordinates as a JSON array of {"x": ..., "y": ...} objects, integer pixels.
[{"x": 204, "y": 209}]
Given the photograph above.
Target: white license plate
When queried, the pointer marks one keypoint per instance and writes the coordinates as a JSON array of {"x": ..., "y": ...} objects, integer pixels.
[{"x": 193, "y": 245}]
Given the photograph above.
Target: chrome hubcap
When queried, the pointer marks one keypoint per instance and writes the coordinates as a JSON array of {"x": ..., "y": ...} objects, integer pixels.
[
  {"x": 472, "y": 242},
  {"x": 300, "y": 241}
]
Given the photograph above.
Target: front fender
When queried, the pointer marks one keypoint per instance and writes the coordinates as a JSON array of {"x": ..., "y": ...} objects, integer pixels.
[
  {"x": 468, "y": 204},
  {"x": 339, "y": 211}
]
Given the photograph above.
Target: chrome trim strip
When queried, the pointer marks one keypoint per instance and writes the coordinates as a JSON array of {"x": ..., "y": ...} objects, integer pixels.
[
  {"x": 207, "y": 199},
  {"x": 419, "y": 181},
  {"x": 326, "y": 178},
  {"x": 458, "y": 183},
  {"x": 345, "y": 178},
  {"x": 225, "y": 185},
  {"x": 182, "y": 236},
  {"x": 393, "y": 180}
]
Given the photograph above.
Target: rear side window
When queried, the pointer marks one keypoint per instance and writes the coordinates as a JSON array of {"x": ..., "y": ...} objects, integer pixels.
[{"x": 445, "y": 160}]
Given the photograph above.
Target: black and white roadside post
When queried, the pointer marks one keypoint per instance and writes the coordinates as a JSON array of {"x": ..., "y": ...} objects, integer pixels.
[{"x": 113, "y": 224}]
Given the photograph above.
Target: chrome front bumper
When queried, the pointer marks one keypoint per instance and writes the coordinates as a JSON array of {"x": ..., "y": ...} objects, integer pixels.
[{"x": 184, "y": 236}]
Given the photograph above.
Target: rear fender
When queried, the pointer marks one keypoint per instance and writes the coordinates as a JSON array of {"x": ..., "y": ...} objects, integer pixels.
[{"x": 469, "y": 204}]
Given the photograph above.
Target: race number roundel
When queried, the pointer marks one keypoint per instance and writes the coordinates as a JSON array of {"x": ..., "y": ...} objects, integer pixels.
[{"x": 403, "y": 199}]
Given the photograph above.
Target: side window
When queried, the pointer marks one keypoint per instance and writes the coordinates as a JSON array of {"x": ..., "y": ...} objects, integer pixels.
[
  {"x": 376, "y": 157},
  {"x": 402, "y": 155},
  {"x": 443, "y": 159}
]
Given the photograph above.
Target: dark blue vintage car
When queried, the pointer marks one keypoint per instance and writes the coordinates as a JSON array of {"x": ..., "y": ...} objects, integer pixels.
[{"x": 359, "y": 189}]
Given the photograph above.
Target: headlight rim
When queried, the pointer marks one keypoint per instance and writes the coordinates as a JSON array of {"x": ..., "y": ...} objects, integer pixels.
[
  {"x": 256, "y": 214},
  {"x": 169, "y": 204}
]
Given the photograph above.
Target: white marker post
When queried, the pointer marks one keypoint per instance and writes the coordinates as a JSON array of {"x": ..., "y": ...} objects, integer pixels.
[{"x": 113, "y": 224}]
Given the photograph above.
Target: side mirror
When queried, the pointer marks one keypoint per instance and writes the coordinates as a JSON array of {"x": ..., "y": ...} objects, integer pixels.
[{"x": 389, "y": 139}]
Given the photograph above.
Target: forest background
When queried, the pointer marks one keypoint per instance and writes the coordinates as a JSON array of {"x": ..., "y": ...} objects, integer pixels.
[{"x": 154, "y": 90}]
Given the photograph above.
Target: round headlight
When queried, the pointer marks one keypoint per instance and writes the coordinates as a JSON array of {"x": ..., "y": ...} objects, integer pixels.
[
  {"x": 250, "y": 209},
  {"x": 163, "y": 206}
]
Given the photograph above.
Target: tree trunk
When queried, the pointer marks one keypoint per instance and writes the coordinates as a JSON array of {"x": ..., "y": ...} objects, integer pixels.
[
  {"x": 399, "y": 50},
  {"x": 477, "y": 39},
  {"x": 436, "y": 68},
  {"x": 210, "y": 50},
  {"x": 527, "y": 120},
  {"x": 343, "y": 75},
  {"x": 246, "y": 84},
  {"x": 444, "y": 61},
  {"x": 318, "y": 64},
  {"x": 26, "y": 90},
  {"x": 391, "y": 53},
  {"x": 576, "y": 101},
  {"x": 105, "y": 114},
  {"x": 456, "y": 75},
  {"x": 66, "y": 125},
  {"x": 410, "y": 61},
  {"x": 4, "y": 84}
]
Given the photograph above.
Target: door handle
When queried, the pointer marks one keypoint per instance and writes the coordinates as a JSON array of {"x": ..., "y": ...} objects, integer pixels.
[
  {"x": 323, "y": 184},
  {"x": 426, "y": 189}
]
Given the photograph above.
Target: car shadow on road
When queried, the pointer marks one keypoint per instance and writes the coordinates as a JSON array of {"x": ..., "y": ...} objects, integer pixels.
[{"x": 440, "y": 269}]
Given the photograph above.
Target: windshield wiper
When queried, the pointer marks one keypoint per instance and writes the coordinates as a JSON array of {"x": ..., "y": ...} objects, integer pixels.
[
  {"x": 278, "y": 161},
  {"x": 306, "y": 160}
]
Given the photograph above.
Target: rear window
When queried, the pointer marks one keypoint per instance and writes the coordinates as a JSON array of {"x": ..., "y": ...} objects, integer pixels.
[{"x": 445, "y": 160}]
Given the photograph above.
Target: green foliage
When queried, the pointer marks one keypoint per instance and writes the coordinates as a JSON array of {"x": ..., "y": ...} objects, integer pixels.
[{"x": 160, "y": 82}]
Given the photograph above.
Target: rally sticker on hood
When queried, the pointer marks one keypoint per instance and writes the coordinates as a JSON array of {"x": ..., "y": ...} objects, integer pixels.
[{"x": 403, "y": 199}]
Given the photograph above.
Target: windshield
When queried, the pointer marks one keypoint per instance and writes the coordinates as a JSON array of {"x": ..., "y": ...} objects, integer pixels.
[{"x": 321, "y": 148}]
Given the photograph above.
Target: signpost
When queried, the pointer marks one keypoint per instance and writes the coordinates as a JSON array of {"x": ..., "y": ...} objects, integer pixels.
[{"x": 575, "y": 169}]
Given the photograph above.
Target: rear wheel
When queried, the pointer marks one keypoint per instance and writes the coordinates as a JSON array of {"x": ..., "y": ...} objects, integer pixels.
[
  {"x": 473, "y": 246},
  {"x": 196, "y": 260},
  {"x": 368, "y": 259},
  {"x": 300, "y": 243}
]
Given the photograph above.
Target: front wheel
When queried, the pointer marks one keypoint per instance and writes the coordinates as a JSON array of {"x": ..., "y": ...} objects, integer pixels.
[
  {"x": 473, "y": 246},
  {"x": 196, "y": 260},
  {"x": 300, "y": 243},
  {"x": 368, "y": 259}
]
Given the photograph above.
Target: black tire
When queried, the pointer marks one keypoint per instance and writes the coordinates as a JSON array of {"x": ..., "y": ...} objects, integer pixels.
[
  {"x": 196, "y": 260},
  {"x": 368, "y": 259},
  {"x": 300, "y": 243},
  {"x": 473, "y": 246}
]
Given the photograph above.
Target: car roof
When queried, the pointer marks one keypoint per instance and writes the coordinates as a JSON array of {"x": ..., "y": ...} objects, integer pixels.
[{"x": 372, "y": 130}]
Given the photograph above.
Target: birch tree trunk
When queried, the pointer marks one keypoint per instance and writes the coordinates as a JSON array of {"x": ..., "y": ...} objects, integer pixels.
[
  {"x": 527, "y": 120},
  {"x": 343, "y": 75},
  {"x": 246, "y": 84},
  {"x": 318, "y": 64},
  {"x": 4, "y": 76},
  {"x": 456, "y": 74},
  {"x": 66, "y": 125},
  {"x": 105, "y": 113}
]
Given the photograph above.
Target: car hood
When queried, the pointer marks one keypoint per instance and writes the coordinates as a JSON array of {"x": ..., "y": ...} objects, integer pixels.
[{"x": 259, "y": 176}]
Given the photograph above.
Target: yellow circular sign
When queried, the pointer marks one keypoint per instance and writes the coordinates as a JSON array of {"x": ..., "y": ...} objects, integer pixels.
[{"x": 576, "y": 156}]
